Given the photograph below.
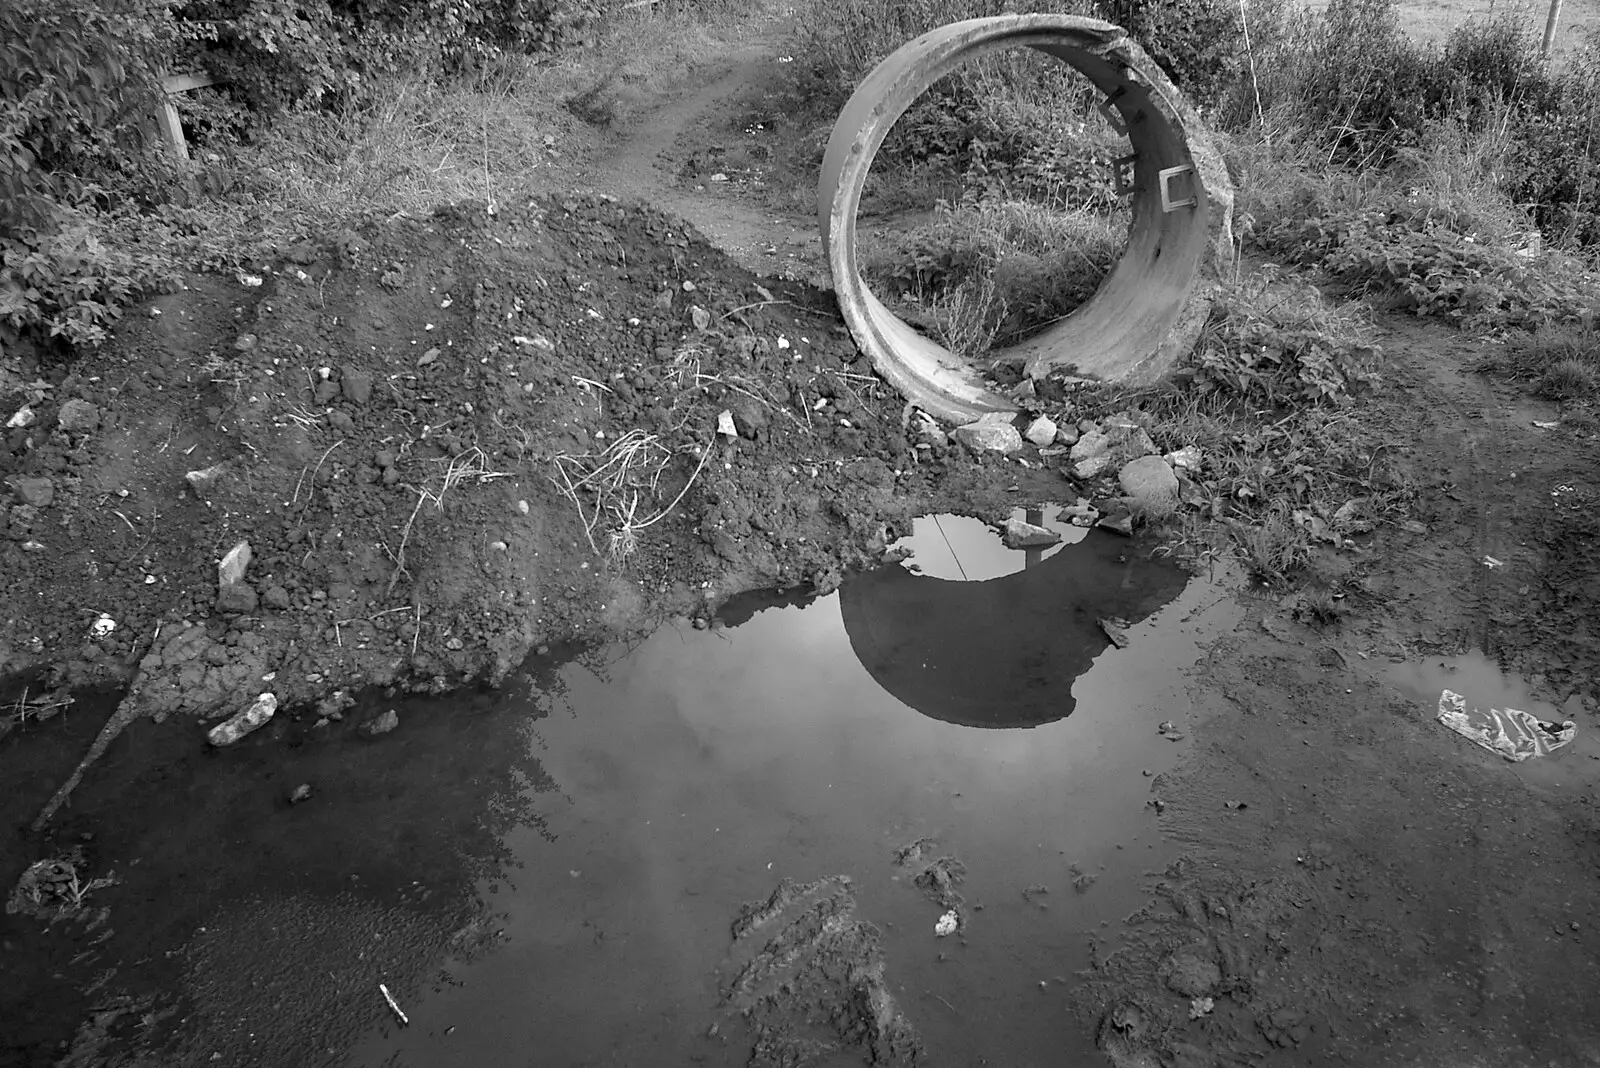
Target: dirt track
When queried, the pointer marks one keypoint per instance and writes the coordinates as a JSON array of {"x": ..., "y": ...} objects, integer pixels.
[{"x": 1362, "y": 887}]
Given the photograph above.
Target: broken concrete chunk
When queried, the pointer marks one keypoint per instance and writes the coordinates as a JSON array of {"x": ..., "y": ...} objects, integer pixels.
[
  {"x": 236, "y": 727},
  {"x": 996, "y": 437},
  {"x": 1023, "y": 535},
  {"x": 1041, "y": 432}
]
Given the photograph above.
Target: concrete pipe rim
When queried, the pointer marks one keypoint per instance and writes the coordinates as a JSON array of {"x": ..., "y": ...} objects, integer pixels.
[{"x": 1146, "y": 313}]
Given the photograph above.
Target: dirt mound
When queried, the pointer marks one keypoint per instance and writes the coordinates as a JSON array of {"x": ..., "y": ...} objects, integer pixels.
[{"x": 447, "y": 442}]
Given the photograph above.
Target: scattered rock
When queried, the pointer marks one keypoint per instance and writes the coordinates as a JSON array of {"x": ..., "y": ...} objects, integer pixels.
[
  {"x": 749, "y": 417},
  {"x": 380, "y": 724},
  {"x": 233, "y": 565},
  {"x": 78, "y": 416},
  {"x": 1149, "y": 482},
  {"x": 241, "y": 724},
  {"x": 998, "y": 437},
  {"x": 1186, "y": 458},
  {"x": 1118, "y": 523},
  {"x": 342, "y": 423},
  {"x": 204, "y": 481},
  {"x": 1066, "y": 435},
  {"x": 35, "y": 492},
  {"x": 1116, "y": 630},
  {"x": 236, "y": 599},
  {"x": 276, "y": 597},
  {"x": 1024, "y": 535},
  {"x": 245, "y": 342},
  {"x": 300, "y": 793},
  {"x": 356, "y": 385},
  {"x": 1042, "y": 431},
  {"x": 326, "y": 390}
]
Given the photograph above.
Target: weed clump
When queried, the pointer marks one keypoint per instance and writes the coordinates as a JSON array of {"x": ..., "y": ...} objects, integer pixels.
[{"x": 1560, "y": 362}]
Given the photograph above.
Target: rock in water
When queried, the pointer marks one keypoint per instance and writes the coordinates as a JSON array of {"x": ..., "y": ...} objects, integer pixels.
[
  {"x": 381, "y": 724},
  {"x": 231, "y": 730},
  {"x": 1023, "y": 535}
]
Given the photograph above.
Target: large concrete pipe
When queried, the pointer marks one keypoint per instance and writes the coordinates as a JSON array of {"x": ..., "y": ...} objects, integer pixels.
[{"x": 1146, "y": 315}]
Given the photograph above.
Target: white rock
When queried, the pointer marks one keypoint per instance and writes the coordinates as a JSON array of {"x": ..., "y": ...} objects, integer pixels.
[
  {"x": 1187, "y": 458},
  {"x": 725, "y": 425},
  {"x": 231, "y": 730},
  {"x": 1149, "y": 480},
  {"x": 1024, "y": 535},
  {"x": 947, "y": 924},
  {"x": 990, "y": 437},
  {"x": 231, "y": 570},
  {"x": 1042, "y": 431}
]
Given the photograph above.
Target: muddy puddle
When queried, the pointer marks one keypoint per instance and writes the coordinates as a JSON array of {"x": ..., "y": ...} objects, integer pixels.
[
  {"x": 912, "y": 715},
  {"x": 552, "y": 874}
]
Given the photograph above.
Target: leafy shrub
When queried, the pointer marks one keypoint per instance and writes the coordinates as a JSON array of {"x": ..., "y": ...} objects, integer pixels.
[
  {"x": 77, "y": 86},
  {"x": 1396, "y": 244},
  {"x": 68, "y": 281},
  {"x": 1272, "y": 338}
]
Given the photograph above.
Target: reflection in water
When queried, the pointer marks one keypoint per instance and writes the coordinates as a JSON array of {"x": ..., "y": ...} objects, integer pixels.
[{"x": 1002, "y": 652}]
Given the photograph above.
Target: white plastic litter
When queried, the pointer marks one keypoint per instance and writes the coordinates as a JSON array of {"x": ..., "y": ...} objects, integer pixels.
[
  {"x": 1514, "y": 734},
  {"x": 102, "y": 627},
  {"x": 947, "y": 924},
  {"x": 725, "y": 425}
]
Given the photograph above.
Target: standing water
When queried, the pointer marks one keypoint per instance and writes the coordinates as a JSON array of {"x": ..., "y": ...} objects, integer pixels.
[{"x": 954, "y": 735}]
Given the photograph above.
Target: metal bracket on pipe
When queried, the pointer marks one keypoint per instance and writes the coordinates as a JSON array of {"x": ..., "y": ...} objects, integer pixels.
[
  {"x": 1123, "y": 176},
  {"x": 1112, "y": 116},
  {"x": 1166, "y": 175}
]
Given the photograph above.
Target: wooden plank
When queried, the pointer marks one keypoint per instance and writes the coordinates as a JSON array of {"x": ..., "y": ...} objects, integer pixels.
[
  {"x": 172, "y": 129},
  {"x": 182, "y": 83}
]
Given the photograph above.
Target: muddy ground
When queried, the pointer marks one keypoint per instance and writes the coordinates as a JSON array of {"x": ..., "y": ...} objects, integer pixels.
[{"x": 387, "y": 416}]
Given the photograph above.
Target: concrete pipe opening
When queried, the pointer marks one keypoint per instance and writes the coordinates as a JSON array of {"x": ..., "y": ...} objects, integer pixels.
[{"x": 1146, "y": 314}]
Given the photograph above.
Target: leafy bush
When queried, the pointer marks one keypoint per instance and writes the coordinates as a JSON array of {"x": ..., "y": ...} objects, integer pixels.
[
  {"x": 1272, "y": 338},
  {"x": 77, "y": 87},
  {"x": 68, "y": 280}
]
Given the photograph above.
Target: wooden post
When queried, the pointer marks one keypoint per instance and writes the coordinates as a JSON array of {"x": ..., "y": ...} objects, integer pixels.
[
  {"x": 167, "y": 114},
  {"x": 1550, "y": 28}
]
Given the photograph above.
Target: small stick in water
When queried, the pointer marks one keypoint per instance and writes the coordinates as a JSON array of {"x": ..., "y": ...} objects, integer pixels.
[{"x": 405, "y": 1021}]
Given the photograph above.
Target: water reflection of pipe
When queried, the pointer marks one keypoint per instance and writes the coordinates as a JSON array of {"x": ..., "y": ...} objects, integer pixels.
[
  {"x": 1034, "y": 555},
  {"x": 1004, "y": 652}
]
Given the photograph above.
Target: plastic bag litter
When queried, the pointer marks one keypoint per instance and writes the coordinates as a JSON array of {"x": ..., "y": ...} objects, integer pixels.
[{"x": 1514, "y": 734}]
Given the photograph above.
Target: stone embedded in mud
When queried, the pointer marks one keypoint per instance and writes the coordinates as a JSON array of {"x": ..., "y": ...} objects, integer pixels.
[
  {"x": 748, "y": 416},
  {"x": 326, "y": 390},
  {"x": 1149, "y": 482},
  {"x": 35, "y": 492},
  {"x": 206, "y": 479},
  {"x": 276, "y": 597},
  {"x": 1117, "y": 523},
  {"x": 236, "y": 598},
  {"x": 380, "y": 724},
  {"x": 356, "y": 385},
  {"x": 1002, "y": 438},
  {"x": 1190, "y": 974},
  {"x": 1042, "y": 431},
  {"x": 78, "y": 416},
  {"x": 1023, "y": 535}
]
